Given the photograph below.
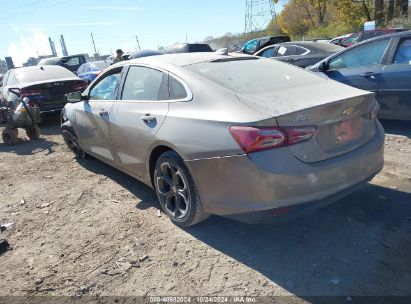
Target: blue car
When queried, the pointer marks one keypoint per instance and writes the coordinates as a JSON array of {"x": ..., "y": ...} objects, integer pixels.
[
  {"x": 381, "y": 65},
  {"x": 89, "y": 70}
]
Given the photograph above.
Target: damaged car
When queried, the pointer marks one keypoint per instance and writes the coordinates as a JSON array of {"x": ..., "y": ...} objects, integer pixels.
[{"x": 237, "y": 136}]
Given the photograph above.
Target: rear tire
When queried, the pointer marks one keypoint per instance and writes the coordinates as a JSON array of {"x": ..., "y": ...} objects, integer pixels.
[
  {"x": 72, "y": 143},
  {"x": 10, "y": 136},
  {"x": 33, "y": 132},
  {"x": 176, "y": 191}
]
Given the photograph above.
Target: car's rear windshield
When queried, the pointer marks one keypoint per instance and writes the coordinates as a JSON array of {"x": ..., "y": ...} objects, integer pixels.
[
  {"x": 50, "y": 61},
  {"x": 35, "y": 75},
  {"x": 199, "y": 48},
  {"x": 253, "y": 76},
  {"x": 100, "y": 65}
]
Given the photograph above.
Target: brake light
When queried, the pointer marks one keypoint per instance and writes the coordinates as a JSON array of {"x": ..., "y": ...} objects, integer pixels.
[
  {"x": 254, "y": 139},
  {"x": 80, "y": 86},
  {"x": 374, "y": 110},
  {"x": 31, "y": 92}
]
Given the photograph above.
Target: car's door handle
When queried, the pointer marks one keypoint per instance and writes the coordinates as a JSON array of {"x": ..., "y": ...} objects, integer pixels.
[
  {"x": 148, "y": 118},
  {"x": 371, "y": 75},
  {"x": 103, "y": 113}
]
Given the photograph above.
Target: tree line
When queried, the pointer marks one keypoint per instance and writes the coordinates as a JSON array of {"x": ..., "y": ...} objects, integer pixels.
[{"x": 334, "y": 17}]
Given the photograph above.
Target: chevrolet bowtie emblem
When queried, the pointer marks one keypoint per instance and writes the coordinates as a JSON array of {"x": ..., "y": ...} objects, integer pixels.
[{"x": 348, "y": 111}]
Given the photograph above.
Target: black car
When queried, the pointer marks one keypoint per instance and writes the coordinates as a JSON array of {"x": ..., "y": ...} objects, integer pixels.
[
  {"x": 254, "y": 45},
  {"x": 45, "y": 85},
  {"x": 302, "y": 54},
  {"x": 187, "y": 48},
  {"x": 72, "y": 62},
  {"x": 381, "y": 65}
]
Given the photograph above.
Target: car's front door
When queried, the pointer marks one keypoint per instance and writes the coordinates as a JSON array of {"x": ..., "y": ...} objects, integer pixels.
[
  {"x": 394, "y": 94},
  {"x": 137, "y": 116},
  {"x": 92, "y": 119},
  {"x": 360, "y": 67}
]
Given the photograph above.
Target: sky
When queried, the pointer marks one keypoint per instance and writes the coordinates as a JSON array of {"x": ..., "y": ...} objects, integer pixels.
[{"x": 27, "y": 24}]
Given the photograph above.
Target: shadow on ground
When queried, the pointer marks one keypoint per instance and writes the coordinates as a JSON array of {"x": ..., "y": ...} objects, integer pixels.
[
  {"x": 357, "y": 246},
  {"x": 397, "y": 127},
  {"x": 29, "y": 147},
  {"x": 138, "y": 189}
]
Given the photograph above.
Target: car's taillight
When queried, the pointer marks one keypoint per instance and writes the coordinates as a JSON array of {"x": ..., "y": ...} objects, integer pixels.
[
  {"x": 80, "y": 86},
  {"x": 30, "y": 92},
  {"x": 254, "y": 139},
  {"x": 374, "y": 110}
]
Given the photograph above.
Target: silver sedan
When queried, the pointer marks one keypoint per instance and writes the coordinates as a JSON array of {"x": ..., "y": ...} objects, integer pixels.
[{"x": 238, "y": 136}]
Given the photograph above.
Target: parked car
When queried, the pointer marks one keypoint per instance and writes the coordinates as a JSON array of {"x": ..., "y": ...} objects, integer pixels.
[
  {"x": 110, "y": 59},
  {"x": 337, "y": 40},
  {"x": 381, "y": 65},
  {"x": 88, "y": 71},
  {"x": 254, "y": 45},
  {"x": 71, "y": 63},
  {"x": 187, "y": 48},
  {"x": 361, "y": 36},
  {"x": 145, "y": 53},
  {"x": 237, "y": 136},
  {"x": 45, "y": 85},
  {"x": 302, "y": 54}
]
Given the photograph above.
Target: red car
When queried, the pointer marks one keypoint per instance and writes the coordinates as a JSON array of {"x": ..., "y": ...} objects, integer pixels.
[{"x": 361, "y": 36}]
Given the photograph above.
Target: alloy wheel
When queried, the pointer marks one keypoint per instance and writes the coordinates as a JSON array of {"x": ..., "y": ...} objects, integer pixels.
[{"x": 173, "y": 190}]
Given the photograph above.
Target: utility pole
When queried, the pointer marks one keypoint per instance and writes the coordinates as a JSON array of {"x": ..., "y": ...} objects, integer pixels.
[
  {"x": 138, "y": 43},
  {"x": 95, "y": 51}
]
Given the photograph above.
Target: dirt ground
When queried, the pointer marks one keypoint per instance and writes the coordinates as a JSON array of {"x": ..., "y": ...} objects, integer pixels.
[{"x": 83, "y": 228}]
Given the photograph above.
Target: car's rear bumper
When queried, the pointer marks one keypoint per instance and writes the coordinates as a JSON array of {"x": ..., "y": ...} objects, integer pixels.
[{"x": 240, "y": 185}]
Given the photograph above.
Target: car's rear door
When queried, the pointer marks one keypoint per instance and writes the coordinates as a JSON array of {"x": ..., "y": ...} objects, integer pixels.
[
  {"x": 92, "y": 119},
  {"x": 137, "y": 116},
  {"x": 361, "y": 66},
  {"x": 394, "y": 94}
]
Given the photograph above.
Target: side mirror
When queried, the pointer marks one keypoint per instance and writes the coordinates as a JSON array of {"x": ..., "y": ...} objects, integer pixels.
[
  {"x": 15, "y": 91},
  {"x": 73, "y": 97},
  {"x": 323, "y": 67}
]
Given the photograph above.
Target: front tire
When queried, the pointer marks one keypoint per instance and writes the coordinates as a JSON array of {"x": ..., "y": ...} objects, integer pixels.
[
  {"x": 176, "y": 191},
  {"x": 73, "y": 144}
]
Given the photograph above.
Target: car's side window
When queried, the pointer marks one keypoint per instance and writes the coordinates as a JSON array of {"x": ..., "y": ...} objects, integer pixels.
[
  {"x": 251, "y": 47},
  {"x": 268, "y": 52},
  {"x": 403, "y": 54},
  {"x": 73, "y": 61},
  {"x": 81, "y": 69},
  {"x": 300, "y": 50},
  {"x": 177, "y": 90},
  {"x": 286, "y": 50},
  {"x": 142, "y": 83},
  {"x": 105, "y": 89},
  {"x": 365, "y": 55}
]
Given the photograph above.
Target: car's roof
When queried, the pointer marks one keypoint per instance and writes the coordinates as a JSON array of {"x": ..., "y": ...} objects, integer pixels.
[
  {"x": 397, "y": 34},
  {"x": 184, "y": 59}
]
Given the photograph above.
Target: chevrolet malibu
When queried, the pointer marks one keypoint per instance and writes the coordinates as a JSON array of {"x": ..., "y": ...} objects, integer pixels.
[{"x": 233, "y": 135}]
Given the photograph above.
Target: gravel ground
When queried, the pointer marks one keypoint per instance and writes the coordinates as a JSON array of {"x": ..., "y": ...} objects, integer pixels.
[{"x": 85, "y": 228}]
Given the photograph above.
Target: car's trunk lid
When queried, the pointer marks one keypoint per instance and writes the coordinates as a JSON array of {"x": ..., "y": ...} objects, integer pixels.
[{"x": 341, "y": 115}]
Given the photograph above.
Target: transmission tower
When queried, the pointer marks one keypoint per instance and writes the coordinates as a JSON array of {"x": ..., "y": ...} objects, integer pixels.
[{"x": 258, "y": 14}]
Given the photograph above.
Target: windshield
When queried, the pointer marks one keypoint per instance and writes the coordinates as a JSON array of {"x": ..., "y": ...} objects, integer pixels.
[
  {"x": 252, "y": 76},
  {"x": 97, "y": 66},
  {"x": 50, "y": 61}
]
